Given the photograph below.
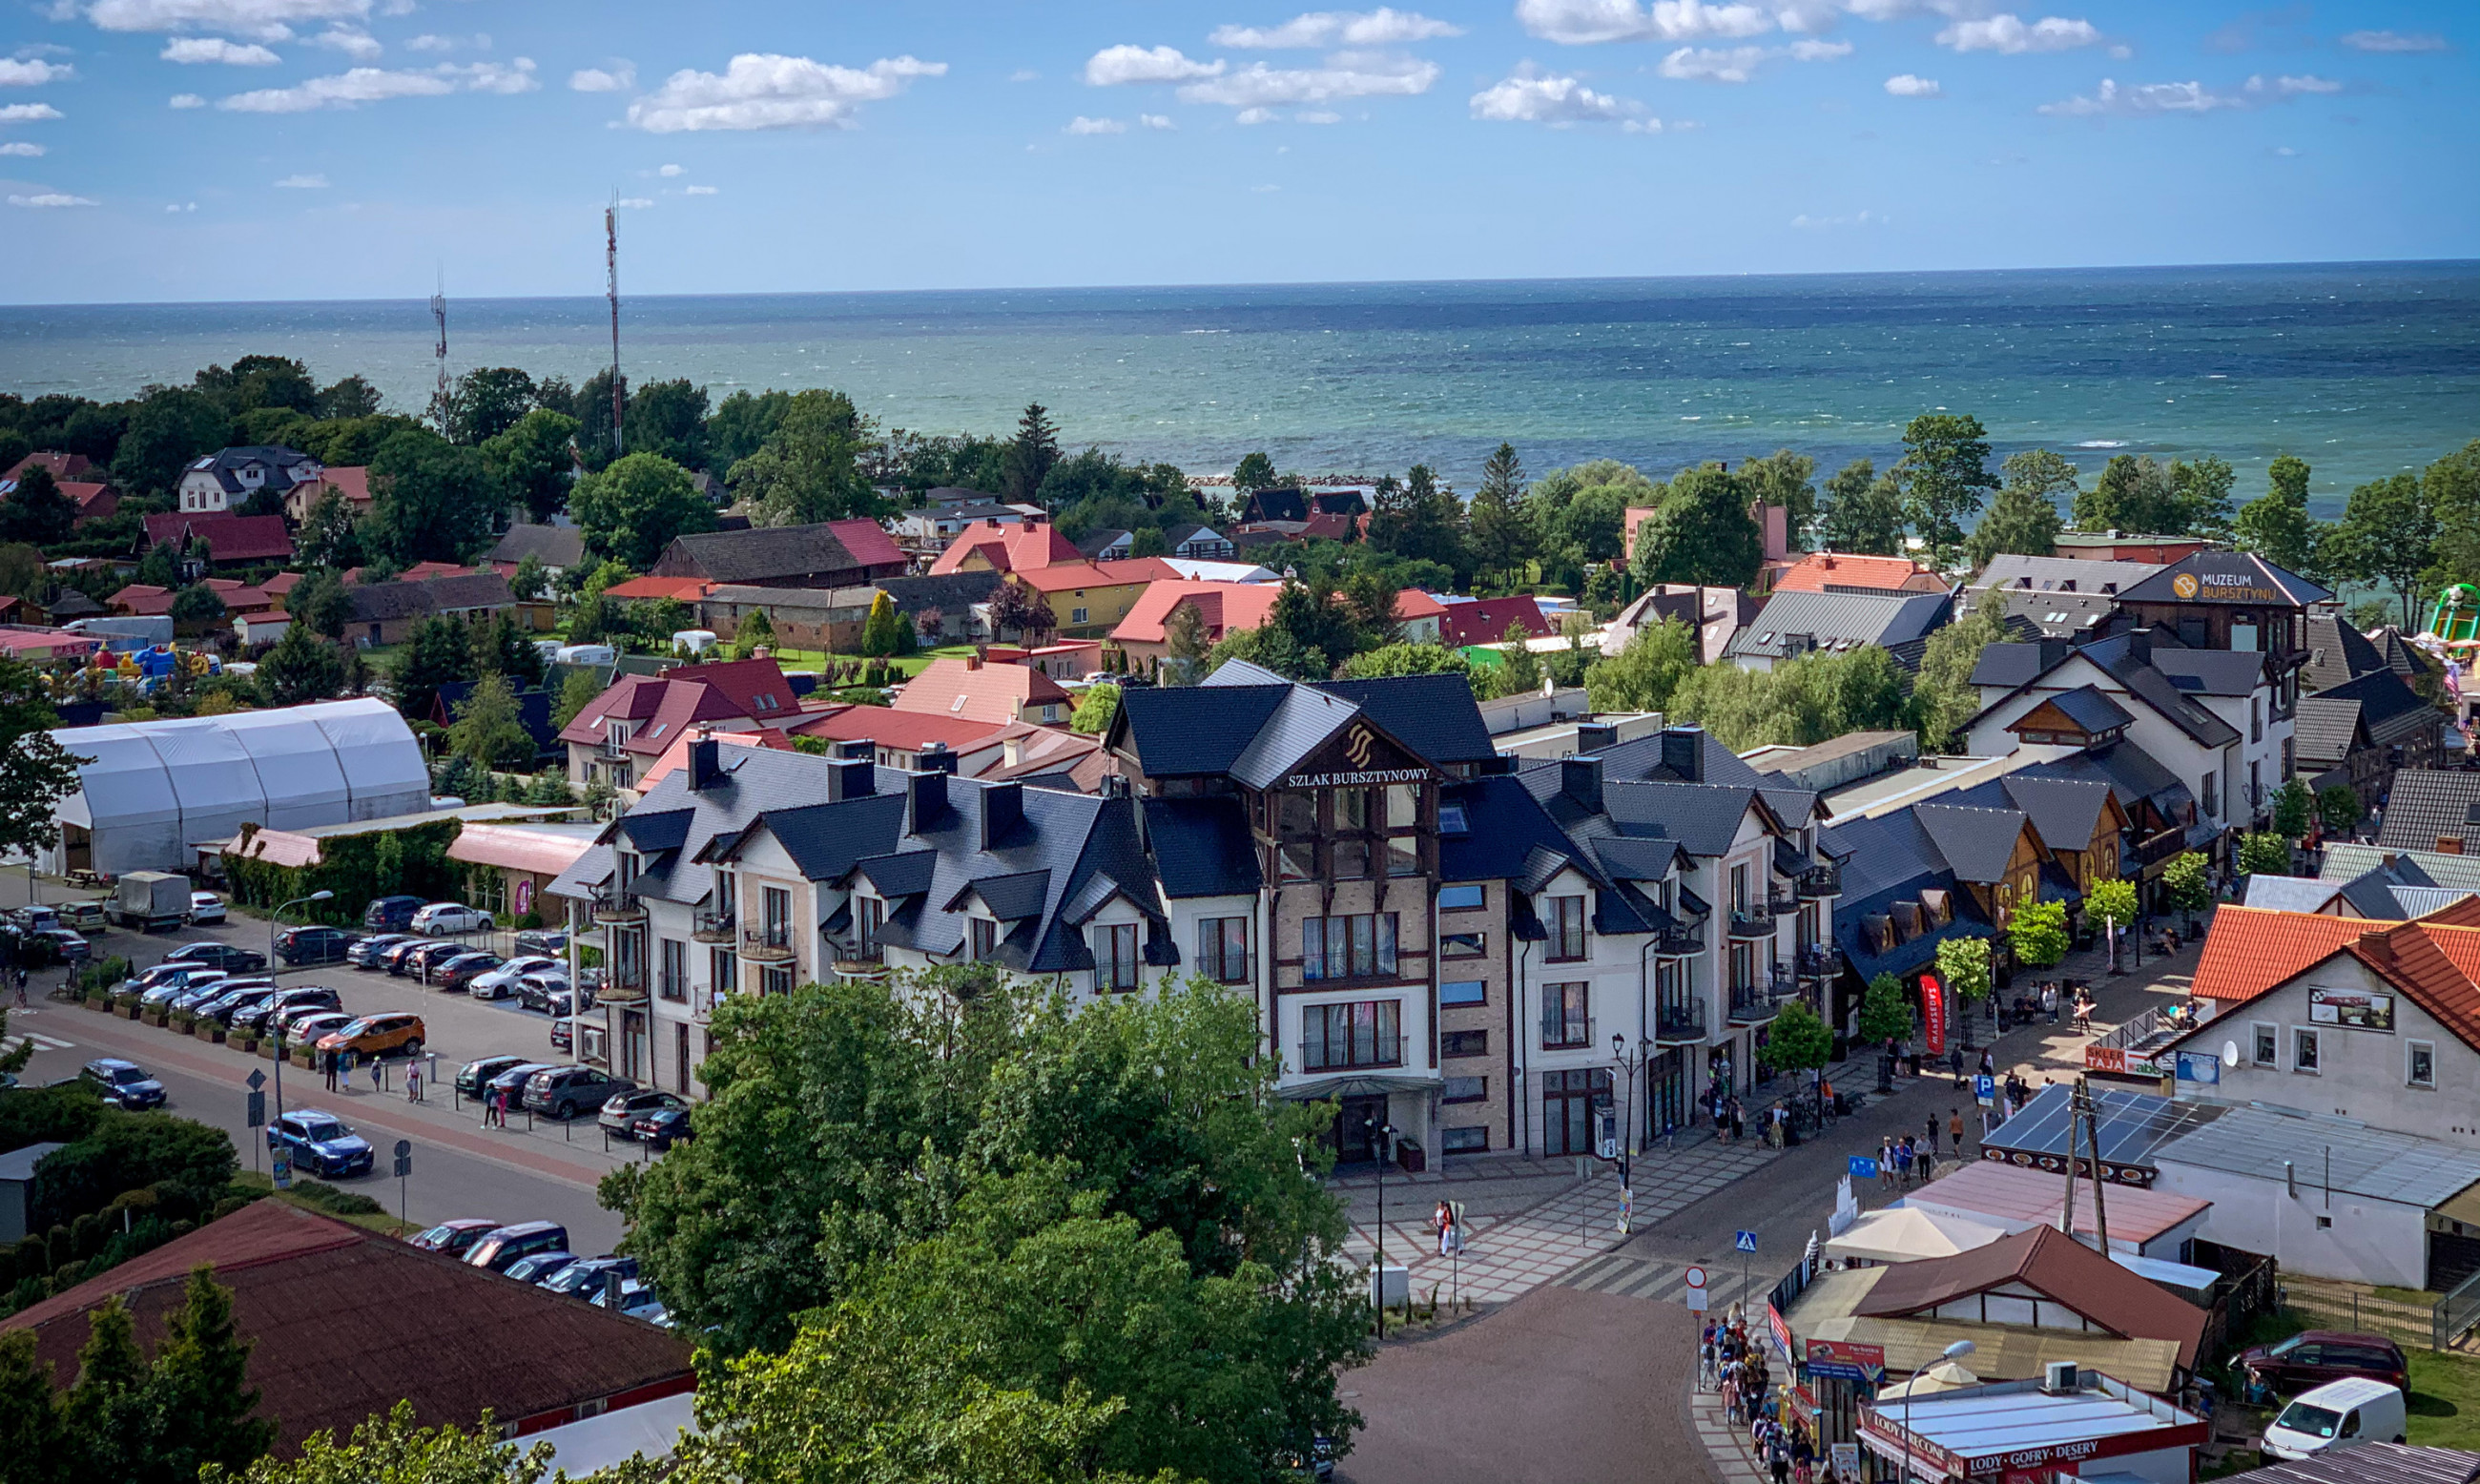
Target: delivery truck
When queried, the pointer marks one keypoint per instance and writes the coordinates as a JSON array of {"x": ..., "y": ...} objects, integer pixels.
[{"x": 151, "y": 901}]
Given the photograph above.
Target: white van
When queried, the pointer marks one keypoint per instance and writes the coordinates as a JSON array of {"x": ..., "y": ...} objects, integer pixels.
[{"x": 2355, "y": 1410}]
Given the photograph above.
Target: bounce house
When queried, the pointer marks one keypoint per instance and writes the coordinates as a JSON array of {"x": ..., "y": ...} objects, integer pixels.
[{"x": 2456, "y": 617}]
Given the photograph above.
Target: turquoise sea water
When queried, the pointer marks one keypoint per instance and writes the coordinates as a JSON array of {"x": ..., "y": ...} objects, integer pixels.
[{"x": 2361, "y": 370}]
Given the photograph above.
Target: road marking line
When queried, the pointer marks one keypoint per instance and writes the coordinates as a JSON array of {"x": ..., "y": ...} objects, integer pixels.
[{"x": 42, "y": 1042}]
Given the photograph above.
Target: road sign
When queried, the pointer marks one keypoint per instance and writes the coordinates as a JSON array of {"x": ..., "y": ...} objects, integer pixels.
[
  {"x": 1863, "y": 1167},
  {"x": 1746, "y": 1241},
  {"x": 1696, "y": 1297},
  {"x": 257, "y": 1079},
  {"x": 403, "y": 1156},
  {"x": 1984, "y": 1090},
  {"x": 258, "y": 1110}
]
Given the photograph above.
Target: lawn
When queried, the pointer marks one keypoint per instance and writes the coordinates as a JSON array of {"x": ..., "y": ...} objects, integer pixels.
[
  {"x": 906, "y": 665},
  {"x": 2444, "y": 1402}
]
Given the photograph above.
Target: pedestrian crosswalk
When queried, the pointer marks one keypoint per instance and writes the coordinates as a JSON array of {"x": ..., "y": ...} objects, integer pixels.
[
  {"x": 1661, "y": 1280},
  {"x": 8, "y": 1044}
]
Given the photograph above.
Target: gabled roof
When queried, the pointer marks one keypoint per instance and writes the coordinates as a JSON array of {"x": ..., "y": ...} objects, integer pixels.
[
  {"x": 2088, "y": 709},
  {"x": 2327, "y": 730},
  {"x": 2337, "y": 653},
  {"x": 1202, "y": 847},
  {"x": 2345, "y": 860},
  {"x": 2062, "y": 575},
  {"x": 1838, "y": 622},
  {"x": 2429, "y": 805},
  {"x": 1224, "y": 608},
  {"x": 1975, "y": 842},
  {"x": 2055, "y": 1266},
  {"x": 907, "y": 731},
  {"x": 2130, "y": 659},
  {"x": 2249, "y": 949},
  {"x": 1432, "y": 714},
  {"x": 868, "y": 541},
  {"x": 376, "y": 602},
  {"x": 954, "y": 593},
  {"x": 653, "y": 589},
  {"x": 2210, "y": 672},
  {"x": 1079, "y": 575},
  {"x": 764, "y": 553},
  {"x": 2225, "y": 576},
  {"x": 1819, "y": 570},
  {"x": 1194, "y": 731},
  {"x": 283, "y": 466},
  {"x": 227, "y": 537},
  {"x": 969, "y": 690},
  {"x": 1486, "y": 620},
  {"x": 552, "y": 545},
  {"x": 2391, "y": 709},
  {"x": 666, "y": 705},
  {"x": 1504, "y": 826},
  {"x": 1008, "y": 546}
]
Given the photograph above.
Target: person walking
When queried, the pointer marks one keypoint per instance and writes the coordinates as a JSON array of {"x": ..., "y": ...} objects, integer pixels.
[
  {"x": 2049, "y": 999},
  {"x": 413, "y": 1080},
  {"x": 1738, "y": 1121},
  {"x": 1933, "y": 1134},
  {"x": 1954, "y": 1130},
  {"x": 375, "y": 1074},
  {"x": 1443, "y": 1222},
  {"x": 1904, "y": 1162},
  {"x": 327, "y": 1068},
  {"x": 21, "y": 985},
  {"x": 1886, "y": 1164}
]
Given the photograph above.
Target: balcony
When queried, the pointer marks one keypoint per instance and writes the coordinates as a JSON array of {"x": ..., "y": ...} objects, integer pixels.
[
  {"x": 2161, "y": 847},
  {"x": 1754, "y": 922},
  {"x": 1679, "y": 942},
  {"x": 1353, "y": 1055},
  {"x": 1566, "y": 1032},
  {"x": 1825, "y": 880},
  {"x": 1783, "y": 902},
  {"x": 617, "y": 904},
  {"x": 769, "y": 945},
  {"x": 712, "y": 927},
  {"x": 1819, "y": 961},
  {"x": 1682, "y": 1024},
  {"x": 1757, "y": 1003},
  {"x": 858, "y": 961}
]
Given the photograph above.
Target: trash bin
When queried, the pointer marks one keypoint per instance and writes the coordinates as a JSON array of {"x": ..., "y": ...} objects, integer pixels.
[
  {"x": 1390, "y": 1287},
  {"x": 1407, "y": 1154}
]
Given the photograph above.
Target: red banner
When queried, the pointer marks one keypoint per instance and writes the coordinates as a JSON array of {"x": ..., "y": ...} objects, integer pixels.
[{"x": 1933, "y": 1014}]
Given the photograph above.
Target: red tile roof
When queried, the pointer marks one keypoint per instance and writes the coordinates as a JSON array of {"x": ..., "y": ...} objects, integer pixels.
[
  {"x": 977, "y": 692},
  {"x": 1815, "y": 572},
  {"x": 905, "y": 731},
  {"x": 1227, "y": 607},
  {"x": 1485, "y": 620},
  {"x": 868, "y": 541},
  {"x": 686, "y": 589},
  {"x": 2055, "y": 1265},
  {"x": 326, "y": 1306},
  {"x": 677, "y": 756},
  {"x": 227, "y": 537},
  {"x": 1412, "y": 602},
  {"x": 85, "y": 495},
  {"x": 142, "y": 599},
  {"x": 665, "y": 705},
  {"x": 2251, "y": 949},
  {"x": 1012, "y": 547},
  {"x": 353, "y": 482},
  {"x": 1068, "y": 576}
]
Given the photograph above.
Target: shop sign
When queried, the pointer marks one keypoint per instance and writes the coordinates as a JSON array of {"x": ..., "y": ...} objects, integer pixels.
[
  {"x": 1933, "y": 1014},
  {"x": 1845, "y": 1360},
  {"x": 2353, "y": 1009}
]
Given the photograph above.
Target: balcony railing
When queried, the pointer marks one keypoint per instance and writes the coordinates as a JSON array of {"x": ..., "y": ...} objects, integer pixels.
[
  {"x": 617, "y": 904},
  {"x": 1819, "y": 961},
  {"x": 1680, "y": 1024},
  {"x": 1825, "y": 880},
  {"x": 1754, "y": 922},
  {"x": 712, "y": 927},
  {"x": 1755, "y": 1004},
  {"x": 2161, "y": 847},
  {"x": 1352, "y": 1054},
  {"x": 1782, "y": 902},
  {"x": 772, "y": 943},
  {"x": 1565, "y": 1033},
  {"x": 610, "y": 750},
  {"x": 1679, "y": 942}
]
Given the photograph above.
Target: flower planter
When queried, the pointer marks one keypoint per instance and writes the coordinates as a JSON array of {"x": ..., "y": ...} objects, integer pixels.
[
  {"x": 134, "y": 1011},
  {"x": 265, "y": 1049},
  {"x": 208, "y": 1030},
  {"x": 182, "y": 1025},
  {"x": 302, "y": 1060},
  {"x": 153, "y": 1017},
  {"x": 99, "y": 1001}
]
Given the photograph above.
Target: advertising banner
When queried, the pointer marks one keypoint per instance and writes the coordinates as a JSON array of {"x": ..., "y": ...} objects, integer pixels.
[{"x": 1933, "y": 1014}]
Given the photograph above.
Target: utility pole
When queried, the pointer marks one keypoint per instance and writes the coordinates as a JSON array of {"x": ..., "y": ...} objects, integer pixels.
[
  {"x": 439, "y": 317},
  {"x": 612, "y": 267}
]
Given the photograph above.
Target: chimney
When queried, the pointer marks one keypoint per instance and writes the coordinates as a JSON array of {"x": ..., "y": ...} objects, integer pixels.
[
  {"x": 973, "y": 661},
  {"x": 706, "y": 764},
  {"x": 1002, "y": 810},
  {"x": 851, "y": 778},
  {"x": 862, "y": 748},
  {"x": 925, "y": 801},
  {"x": 934, "y": 758},
  {"x": 1593, "y": 737},
  {"x": 1682, "y": 752},
  {"x": 1579, "y": 779}
]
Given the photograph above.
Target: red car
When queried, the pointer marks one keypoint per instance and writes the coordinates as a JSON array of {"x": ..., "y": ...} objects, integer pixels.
[{"x": 2314, "y": 1357}]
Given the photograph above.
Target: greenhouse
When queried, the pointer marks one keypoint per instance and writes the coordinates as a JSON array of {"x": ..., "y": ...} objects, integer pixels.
[{"x": 155, "y": 792}]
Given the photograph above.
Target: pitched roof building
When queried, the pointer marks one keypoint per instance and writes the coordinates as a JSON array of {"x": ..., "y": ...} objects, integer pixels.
[
  {"x": 218, "y": 538},
  {"x": 1006, "y": 545},
  {"x": 556, "y": 547},
  {"x": 1820, "y": 572},
  {"x": 1486, "y": 620},
  {"x": 1835, "y": 621},
  {"x": 217, "y": 481},
  {"x": 2435, "y": 809},
  {"x": 830, "y": 553},
  {"x": 2361, "y": 734},
  {"x": 966, "y": 690},
  {"x": 621, "y": 732}
]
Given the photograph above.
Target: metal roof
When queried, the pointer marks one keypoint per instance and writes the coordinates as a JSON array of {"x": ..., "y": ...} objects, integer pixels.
[
  {"x": 2376, "y": 1164},
  {"x": 2373, "y": 1463},
  {"x": 2134, "y": 1126}
]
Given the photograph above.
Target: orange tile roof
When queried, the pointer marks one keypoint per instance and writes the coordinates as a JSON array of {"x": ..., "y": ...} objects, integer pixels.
[
  {"x": 1011, "y": 546},
  {"x": 686, "y": 589},
  {"x": 1813, "y": 573},
  {"x": 2251, "y": 949},
  {"x": 967, "y": 691},
  {"x": 677, "y": 757},
  {"x": 904, "y": 731},
  {"x": 1064, "y": 576},
  {"x": 1413, "y": 604},
  {"x": 1227, "y": 607}
]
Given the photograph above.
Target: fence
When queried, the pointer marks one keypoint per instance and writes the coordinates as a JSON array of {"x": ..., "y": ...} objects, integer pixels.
[{"x": 2455, "y": 1314}]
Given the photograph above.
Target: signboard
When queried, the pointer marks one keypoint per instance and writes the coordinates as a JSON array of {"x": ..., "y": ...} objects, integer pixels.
[
  {"x": 1781, "y": 1327},
  {"x": 1933, "y": 1014},
  {"x": 1846, "y": 1360},
  {"x": 1984, "y": 1090},
  {"x": 1846, "y": 1460},
  {"x": 2353, "y": 1009},
  {"x": 2115, "y": 1061},
  {"x": 2199, "y": 1067},
  {"x": 2053, "y": 1164},
  {"x": 1744, "y": 1241},
  {"x": 1696, "y": 1289},
  {"x": 2224, "y": 587},
  {"x": 1863, "y": 1167}
]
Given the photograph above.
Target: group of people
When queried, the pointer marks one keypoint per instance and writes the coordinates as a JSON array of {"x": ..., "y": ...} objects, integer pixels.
[
  {"x": 1730, "y": 1362},
  {"x": 338, "y": 1066}
]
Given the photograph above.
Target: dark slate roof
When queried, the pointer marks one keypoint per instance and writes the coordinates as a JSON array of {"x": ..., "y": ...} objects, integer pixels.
[
  {"x": 826, "y": 840},
  {"x": 552, "y": 545},
  {"x": 676, "y": 824},
  {"x": 2066, "y": 811},
  {"x": 2327, "y": 730},
  {"x": 2209, "y": 672},
  {"x": 376, "y": 602},
  {"x": 1274, "y": 506},
  {"x": 1095, "y": 541},
  {"x": 1704, "y": 818},
  {"x": 2134, "y": 776},
  {"x": 899, "y": 875},
  {"x": 1629, "y": 859},
  {"x": 1202, "y": 847},
  {"x": 2337, "y": 653},
  {"x": 1975, "y": 842},
  {"x": 225, "y": 463},
  {"x": 2428, "y": 805},
  {"x": 2060, "y": 615},
  {"x": 2013, "y": 665},
  {"x": 2087, "y": 708},
  {"x": 1432, "y": 714},
  {"x": 2056, "y": 575},
  {"x": 1890, "y": 856},
  {"x": 1194, "y": 731},
  {"x": 1253, "y": 726},
  {"x": 2244, "y": 567},
  {"x": 2133, "y": 666},
  {"x": 952, "y": 592},
  {"x": 1840, "y": 621},
  {"x": 655, "y": 830},
  {"x": 1011, "y": 898},
  {"x": 2391, "y": 709},
  {"x": 1301, "y": 721},
  {"x": 768, "y": 551},
  {"x": 1504, "y": 824}
]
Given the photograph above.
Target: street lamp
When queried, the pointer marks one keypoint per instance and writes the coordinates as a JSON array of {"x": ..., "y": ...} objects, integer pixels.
[
  {"x": 1955, "y": 1351},
  {"x": 1629, "y": 1066},
  {"x": 1381, "y": 1134},
  {"x": 273, "y": 918}
]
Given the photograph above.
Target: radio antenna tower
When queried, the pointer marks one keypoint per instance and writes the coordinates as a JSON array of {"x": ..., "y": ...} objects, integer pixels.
[
  {"x": 612, "y": 266},
  {"x": 439, "y": 317}
]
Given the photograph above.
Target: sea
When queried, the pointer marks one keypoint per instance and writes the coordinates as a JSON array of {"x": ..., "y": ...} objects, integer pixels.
[{"x": 2364, "y": 370}]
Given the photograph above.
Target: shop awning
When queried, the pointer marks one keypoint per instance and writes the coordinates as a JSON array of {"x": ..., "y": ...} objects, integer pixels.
[{"x": 1355, "y": 1085}]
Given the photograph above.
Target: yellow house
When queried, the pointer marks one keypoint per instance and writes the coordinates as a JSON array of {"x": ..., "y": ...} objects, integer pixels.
[{"x": 1091, "y": 598}]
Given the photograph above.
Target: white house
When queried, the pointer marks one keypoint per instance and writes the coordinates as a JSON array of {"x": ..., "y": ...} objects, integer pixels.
[{"x": 226, "y": 478}]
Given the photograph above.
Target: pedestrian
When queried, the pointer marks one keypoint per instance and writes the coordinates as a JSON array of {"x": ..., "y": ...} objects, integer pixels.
[
  {"x": 21, "y": 985},
  {"x": 2049, "y": 1000},
  {"x": 1738, "y": 1121},
  {"x": 375, "y": 1073},
  {"x": 1904, "y": 1162},
  {"x": 1443, "y": 1222},
  {"x": 413, "y": 1081},
  {"x": 1988, "y": 1067},
  {"x": 1731, "y": 1392},
  {"x": 345, "y": 1065},
  {"x": 1781, "y": 1460},
  {"x": 327, "y": 1065},
  {"x": 1885, "y": 1163},
  {"x": 1933, "y": 1134},
  {"x": 1954, "y": 1064},
  {"x": 1954, "y": 1130}
]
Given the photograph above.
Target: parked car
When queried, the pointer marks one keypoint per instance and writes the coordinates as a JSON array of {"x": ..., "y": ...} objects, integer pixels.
[
  {"x": 500, "y": 982},
  {"x": 621, "y": 1109},
  {"x": 122, "y": 1084},
  {"x": 73, "y": 949},
  {"x": 557, "y": 1004},
  {"x": 217, "y": 956},
  {"x": 388, "y": 914},
  {"x": 536, "y": 1267},
  {"x": 456, "y": 974},
  {"x": 661, "y": 1129},
  {"x": 390, "y": 1032},
  {"x": 182, "y": 972},
  {"x": 321, "y": 1144},
  {"x": 206, "y": 907},
  {"x": 313, "y": 945},
  {"x": 424, "y": 962},
  {"x": 2354, "y": 1409},
  {"x": 562, "y": 1036},
  {"x": 370, "y": 952},
  {"x": 497, "y": 1249},
  {"x": 232, "y": 1002},
  {"x": 202, "y": 992},
  {"x": 161, "y": 995},
  {"x": 307, "y": 1029},
  {"x": 474, "y": 1076},
  {"x": 2314, "y": 1357},
  {"x": 586, "y": 1278},
  {"x": 637, "y": 1301},
  {"x": 565, "y": 1092},
  {"x": 547, "y": 942},
  {"x": 85, "y": 916},
  {"x": 398, "y": 959},
  {"x": 456, "y": 1238},
  {"x": 537, "y": 991},
  {"x": 451, "y": 917},
  {"x": 287, "y": 1018},
  {"x": 307, "y": 997},
  {"x": 512, "y": 1082}
]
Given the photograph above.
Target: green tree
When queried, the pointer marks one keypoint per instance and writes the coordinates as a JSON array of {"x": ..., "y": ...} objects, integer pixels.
[
  {"x": 1642, "y": 676},
  {"x": 1945, "y": 473},
  {"x": 668, "y": 419},
  {"x": 38, "y": 512},
  {"x": 2294, "y": 810},
  {"x": 203, "y": 1399},
  {"x": 2038, "y": 931},
  {"x": 1185, "y": 639},
  {"x": 2187, "y": 883},
  {"x": 197, "y": 608},
  {"x": 486, "y": 402},
  {"x": 1029, "y": 456},
  {"x": 2338, "y": 805},
  {"x": 2451, "y": 486},
  {"x": 880, "y": 632},
  {"x": 637, "y": 506},
  {"x": 1944, "y": 697},
  {"x": 1254, "y": 473},
  {"x": 2024, "y": 518},
  {"x": 2263, "y": 854},
  {"x": 168, "y": 428},
  {"x": 322, "y": 602},
  {"x": 757, "y": 631},
  {"x": 393, "y": 1449},
  {"x": 1786, "y": 479},
  {"x": 2112, "y": 904},
  {"x": 331, "y": 535},
  {"x": 2276, "y": 525},
  {"x": 1963, "y": 968},
  {"x": 1520, "y": 671},
  {"x": 490, "y": 730},
  {"x": 106, "y": 1410},
  {"x": 2132, "y": 494},
  {"x": 809, "y": 469},
  {"x": 36, "y": 772},
  {"x": 1094, "y": 709},
  {"x": 741, "y": 424},
  {"x": 437, "y": 651},
  {"x": 532, "y": 458},
  {"x": 529, "y": 582},
  {"x": 1701, "y": 533},
  {"x": 2388, "y": 534},
  {"x": 431, "y": 500},
  {"x": 1800, "y": 1041},
  {"x": 501, "y": 647},
  {"x": 1500, "y": 537},
  {"x": 34, "y": 1439},
  {"x": 1864, "y": 511},
  {"x": 302, "y": 667},
  {"x": 1885, "y": 1011},
  {"x": 2202, "y": 488},
  {"x": 576, "y": 694}
]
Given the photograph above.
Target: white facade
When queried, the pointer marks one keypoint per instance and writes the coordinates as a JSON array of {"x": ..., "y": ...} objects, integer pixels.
[{"x": 2309, "y": 1231}]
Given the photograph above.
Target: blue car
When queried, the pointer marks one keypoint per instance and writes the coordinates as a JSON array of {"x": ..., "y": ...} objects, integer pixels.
[
  {"x": 122, "y": 1084},
  {"x": 320, "y": 1144}
]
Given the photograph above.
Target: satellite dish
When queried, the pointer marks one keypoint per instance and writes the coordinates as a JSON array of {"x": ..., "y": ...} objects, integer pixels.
[{"x": 2230, "y": 1053}]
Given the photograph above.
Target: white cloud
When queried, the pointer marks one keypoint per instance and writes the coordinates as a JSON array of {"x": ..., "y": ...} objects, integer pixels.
[
  {"x": 195, "y": 49},
  {"x": 620, "y": 77},
  {"x": 2154, "y": 99},
  {"x": 1255, "y": 115},
  {"x": 1344, "y": 75},
  {"x": 635, "y": 202},
  {"x": 2396, "y": 41},
  {"x": 302, "y": 183},
  {"x": 766, "y": 91},
  {"x": 353, "y": 40},
  {"x": 1025, "y": 75},
  {"x": 1819, "y": 51},
  {"x": 1739, "y": 64},
  {"x": 448, "y": 43},
  {"x": 1867, "y": 218},
  {"x": 1317, "y": 116},
  {"x": 1116, "y": 65},
  {"x": 176, "y": 208},
  {"x": 2010, "y": 35},
  {"x": 1380, "y": 27},
  {"x": 2294, "y": 87},
  {"x": 1529, "y": 98},
  {"x": 18, "y": 73},
  {"x": 27, "y": 112},
  {"x": 1080, "y": 124},
  {"x": 373, "y": 85},
  {"x": 702, "y": 189},
  {"x": 1582, "y": 22},
  {"x": 188, "y": 101},
  {"x": 21, "y": 147},
  {"x": 2285, "y": 152},
  {"x": 269, "y": 20},
  {"x": 1156, "y": 122},
  {"x": 1903, "y": 85},
  {"x": 669, "y": 170},
  {"x": 50, "y": 198}
]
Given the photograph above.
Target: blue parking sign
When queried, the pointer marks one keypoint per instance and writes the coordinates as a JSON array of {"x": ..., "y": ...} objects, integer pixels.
[
  {"x": 1863, "y": 1167},
  {"x": 1984, "y": 1090},
  {"x": 1746, "y": 1241}
]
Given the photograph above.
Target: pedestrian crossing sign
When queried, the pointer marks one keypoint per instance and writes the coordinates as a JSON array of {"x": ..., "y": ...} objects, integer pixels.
[{"x": 1746, "y": 1241}]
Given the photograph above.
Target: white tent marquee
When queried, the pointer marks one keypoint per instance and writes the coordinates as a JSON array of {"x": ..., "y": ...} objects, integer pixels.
[
  {"x": 155, "y": 791},
  {"x": 1902, "y": 1234}
]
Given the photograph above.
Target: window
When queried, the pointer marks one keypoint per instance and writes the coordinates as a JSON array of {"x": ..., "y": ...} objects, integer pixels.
[
  {"x": 2212, "y": 799},
  {"x": 1351, "y": 859},
  {"x": 1564, "y": 1021},
  {"x": 1464, "y": 991},
  {"x": 778, "y": 917},
  {"x": 2264, "y": 1040},
  {"x": 778, "y": 979},
  {"x": 1743, "y": 968},
  {"x": 1471, "y": 1141},
  {"x": 1464, "y": 1044},
  {"x": 1403, "y": 856},
  {"x": 871, "y": 916},
  {"x": 1403, "y": 804},
  {"x": 1463, "y": 945},
  {"x": 1462, "y": 899},
  {"x": 1299, "y": 813},
  {"x": 1363, "y": 1034},
  {"x": 725, "y": 970},
  {"x": 1296, "y": 862},
  {"x": 1076, "y": 616},
  {"x": 2256, "y": 718},
  {"x": 1739, "y": 889},
  {"x": 1567, "y": 929},
  {"x": 1222, "y": 949},
  {"x": 1465, "y": 1089},
  {"x": 1352, "y": 809},
  {"x": 2421, "y": 1072},
  {"x": 1115, "y": 957},
  {"x": 986, "y": 938},
  {"x": 672, "y": 981},
  {"x": 1361, "y": 946},
  {"x": 2303, "y": 1051}
]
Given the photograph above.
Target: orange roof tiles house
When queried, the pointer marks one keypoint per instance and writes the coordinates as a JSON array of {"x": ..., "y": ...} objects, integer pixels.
[
  {"x": 2251, "y": 949},
  {"x": 996, "y": 545},
  {"x": 899, "y": 738},
  {"x": 62, "y": 466},
  {"x": 1486, "y": 620},
  {"x": 226, "y": 537},
  {"x": 1091, "y": 598},
  {"x": 624, "y": 730},
  {"x": 1819, "y": 570},
  {"x": 640, "y": 589},
  {"x": 353, "y": 483},
  {"x": 142, "y": 599},
  {"x": 93, "y": 501},
  {"x": 1226, "y": 607},
  {"x": 969, "y": 690}
]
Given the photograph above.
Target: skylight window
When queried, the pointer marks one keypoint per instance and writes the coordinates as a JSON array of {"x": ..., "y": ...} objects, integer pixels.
[
  {"x": 1451, "y": 819},
  {"x": 957, "y": 705}
]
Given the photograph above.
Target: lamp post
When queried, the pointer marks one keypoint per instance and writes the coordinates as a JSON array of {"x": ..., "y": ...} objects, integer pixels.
[
  {"x": 1629, "y": 1066},
  {"x": 1955, "y": 1351},
  {"x": 274, "y": 918},
  {"x": 1381, "y": 1134}
]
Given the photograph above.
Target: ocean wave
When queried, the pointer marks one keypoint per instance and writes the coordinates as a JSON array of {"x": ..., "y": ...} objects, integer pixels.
[{"x": 2102, "y": 443}]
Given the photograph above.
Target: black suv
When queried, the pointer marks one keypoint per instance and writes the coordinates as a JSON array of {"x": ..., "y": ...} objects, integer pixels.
[
  {"x": 122, "y": 1084},
  {"x": 232, "y": 1002},
  {"x": 305, "y": 997},
  {"x": 217, "y": 956},
  {"x": 313, "y": 945},
  {"x": 474, "y": 1076},
  {"x": 565, "y": 1092},
  {"x": 387, "y": 914}
]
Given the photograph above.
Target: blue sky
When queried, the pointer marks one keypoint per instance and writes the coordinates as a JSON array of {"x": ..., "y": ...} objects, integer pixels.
[{"x": 253, "y": 149}]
